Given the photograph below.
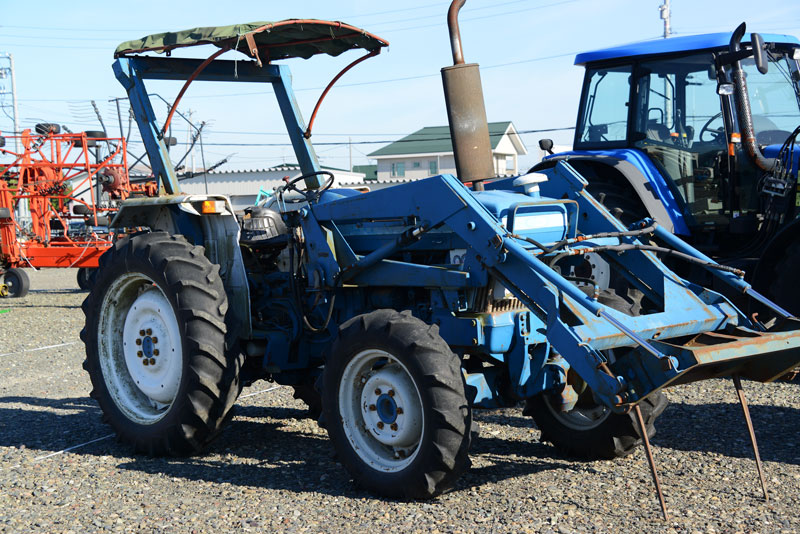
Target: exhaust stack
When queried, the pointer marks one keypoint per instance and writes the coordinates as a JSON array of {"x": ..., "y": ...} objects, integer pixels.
[{"x": 466, "y": 112}]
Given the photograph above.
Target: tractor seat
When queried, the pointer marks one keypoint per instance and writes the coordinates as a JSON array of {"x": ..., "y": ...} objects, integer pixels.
[{"x": 658, "y": 132}]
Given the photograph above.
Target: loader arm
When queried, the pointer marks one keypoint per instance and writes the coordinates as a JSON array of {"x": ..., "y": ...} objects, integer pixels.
[{"x": 688, "y": 311}]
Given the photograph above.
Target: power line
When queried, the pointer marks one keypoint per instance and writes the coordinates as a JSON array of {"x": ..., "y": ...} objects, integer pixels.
[
  {"x": 354, "y": 84},
  {"x": 331, "y": 143},
  {"x": 482, "y": 17}
]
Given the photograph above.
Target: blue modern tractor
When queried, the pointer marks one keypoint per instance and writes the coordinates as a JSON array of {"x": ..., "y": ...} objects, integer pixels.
[{"x": 699, "y": 133}]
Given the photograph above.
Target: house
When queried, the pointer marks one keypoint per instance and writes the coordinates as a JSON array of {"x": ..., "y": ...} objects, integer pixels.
[{"x": 429, "y": 151}]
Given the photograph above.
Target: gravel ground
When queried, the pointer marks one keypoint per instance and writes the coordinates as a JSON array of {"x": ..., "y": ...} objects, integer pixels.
[{"x": 273, "y": 470}]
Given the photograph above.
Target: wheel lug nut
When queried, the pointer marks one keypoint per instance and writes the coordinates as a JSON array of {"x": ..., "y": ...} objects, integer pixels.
[
  {"x": 372, "y": 407},
  {"x": 394, "y": 426},
  {"x": 149, "y": 332},
  {"x": 380, "y": 424},
  {"x": 399, "y": 410},
  {"x": 155, "y": 339},
  {"x": 145, "y": 362},
  {"x": 141, "y": 332},
  {"x": 138, "y": 341},
  {"x": 377, "y": 391},
  {"x": 155, "y": 352},
  {"x": 152, "y": 361},
  {"x": 139, "y": 353},
  {"x": 391, "y": 393}
]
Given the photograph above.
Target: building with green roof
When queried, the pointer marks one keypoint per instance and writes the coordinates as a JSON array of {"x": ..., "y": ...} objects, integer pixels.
[{"x": 429, "y": 151}]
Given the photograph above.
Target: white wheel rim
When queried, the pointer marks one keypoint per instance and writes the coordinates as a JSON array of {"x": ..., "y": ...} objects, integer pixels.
[
  {"x": 381, "y": 410},
  {"x": 139, "y": 348},
  {"x": 579, "y": 418}
]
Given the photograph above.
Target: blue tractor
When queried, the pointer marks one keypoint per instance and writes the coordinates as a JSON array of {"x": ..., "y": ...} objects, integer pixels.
[
  {"x": 395, "y": 313},
  {"x": 699, "y": 133}
]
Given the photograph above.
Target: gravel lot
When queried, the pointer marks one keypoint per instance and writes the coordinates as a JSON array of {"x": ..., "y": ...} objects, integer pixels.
[{"x": 273, "y": 470}]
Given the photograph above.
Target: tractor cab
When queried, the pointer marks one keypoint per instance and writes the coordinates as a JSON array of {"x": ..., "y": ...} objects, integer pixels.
[{"x": 669, "y": 107}]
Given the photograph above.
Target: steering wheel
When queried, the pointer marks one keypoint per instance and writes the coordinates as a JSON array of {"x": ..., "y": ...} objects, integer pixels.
[
  {"x": 718, "y": 133},
  {"x": 310, "y": 194}
]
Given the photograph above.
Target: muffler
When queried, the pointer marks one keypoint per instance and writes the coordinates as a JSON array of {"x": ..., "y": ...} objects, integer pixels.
[{"x": 466, "y": 112}]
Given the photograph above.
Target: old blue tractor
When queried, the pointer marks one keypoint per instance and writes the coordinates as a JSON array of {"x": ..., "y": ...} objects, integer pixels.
[
  {"x": 699, "y": 133},
  {"x": 397, "y": 312}
]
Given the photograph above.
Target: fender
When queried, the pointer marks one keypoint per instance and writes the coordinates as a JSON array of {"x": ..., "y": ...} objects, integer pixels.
[
  {"x": 218, "y": 233},
  {"x": 641, "y": 174}
]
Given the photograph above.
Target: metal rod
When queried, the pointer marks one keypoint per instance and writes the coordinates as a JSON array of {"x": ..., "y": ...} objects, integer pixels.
[
  {"x": 651, "y": 461},
  {"x": 633, "y": 335},
  {"x": 740, "y": 392},
  {"x": 373, "y": 53},
  {"x": 766, "y": 302}
]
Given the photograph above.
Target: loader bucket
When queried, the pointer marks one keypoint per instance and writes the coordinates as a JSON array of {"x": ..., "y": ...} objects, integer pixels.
[{"x": 737, "y": 351}]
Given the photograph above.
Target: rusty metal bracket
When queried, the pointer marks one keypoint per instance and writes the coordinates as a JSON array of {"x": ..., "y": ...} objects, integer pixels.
[{"x": 252, "y": 48}]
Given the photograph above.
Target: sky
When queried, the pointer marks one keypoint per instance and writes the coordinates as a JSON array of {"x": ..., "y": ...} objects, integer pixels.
[{"x": 63, "y": 53}]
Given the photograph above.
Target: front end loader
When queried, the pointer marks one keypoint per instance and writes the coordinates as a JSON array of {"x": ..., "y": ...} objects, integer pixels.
[{"x": 395, "y": 313}]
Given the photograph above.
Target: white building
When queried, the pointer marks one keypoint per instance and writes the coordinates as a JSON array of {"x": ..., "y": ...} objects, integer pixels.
[
  {"x": 244, "y": 186},
  {"x": 429, "y": 151}
]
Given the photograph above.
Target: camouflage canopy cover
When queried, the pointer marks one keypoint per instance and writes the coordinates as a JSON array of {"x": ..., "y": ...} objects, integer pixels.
[{"x": 274, "y": 40}]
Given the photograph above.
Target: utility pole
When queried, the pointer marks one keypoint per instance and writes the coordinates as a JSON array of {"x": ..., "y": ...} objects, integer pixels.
[
  {"x": 23, "y": 210},
  {"x": 350, "y": 145},
  {"x": 665, "y": 15},
  {"x": 9, "y": 72},
  {"x": 189, "y": 114}
]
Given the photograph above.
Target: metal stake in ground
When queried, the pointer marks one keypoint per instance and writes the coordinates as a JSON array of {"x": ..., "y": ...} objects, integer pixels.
[
  {"x": 651, "y": 461},
  {"x": 740, "y": 392}
]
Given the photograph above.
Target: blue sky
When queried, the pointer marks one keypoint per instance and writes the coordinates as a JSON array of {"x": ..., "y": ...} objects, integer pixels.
[{"x": 63, "y": 54}]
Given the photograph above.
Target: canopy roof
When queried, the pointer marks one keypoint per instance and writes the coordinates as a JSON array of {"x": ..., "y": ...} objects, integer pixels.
[
  {"x": 274, "y": 40},
  {"x": 687, "y": 43}
]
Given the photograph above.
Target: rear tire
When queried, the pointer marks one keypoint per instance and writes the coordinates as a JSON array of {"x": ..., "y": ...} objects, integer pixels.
[
  {"x": 157, "y": 298},
  {"x": 17, "y": 283},
  {"x": 590, "y": 431},
  {"x": 86, "y": 278},
  {"x": 784, "y": 289},
  {"x": 395, "y": 408},
  {"x": 618, "y": 198}
]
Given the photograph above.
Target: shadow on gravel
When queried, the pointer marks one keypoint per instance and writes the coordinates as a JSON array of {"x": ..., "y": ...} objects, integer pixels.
[
  {"x": 272, "y": 455},
  {"x": 38, "y": 426},
  {"x": 720, "y": 428},
  {"x": 58, "y": 291},
  {"x": 263, "y": 446},
  {"x": 66, "y": 307}
]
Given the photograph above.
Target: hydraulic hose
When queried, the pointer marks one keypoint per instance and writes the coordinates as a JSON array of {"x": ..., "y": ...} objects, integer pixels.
[
  {"x": 557, "y": 245},
  {"x": 743, "y": 111},
  {"x": 652, "y": 248}
]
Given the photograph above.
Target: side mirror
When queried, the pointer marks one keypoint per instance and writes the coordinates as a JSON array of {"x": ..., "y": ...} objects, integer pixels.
[
  {"x": 546, "y": 145},
  {"x": 757, "y": 43}
]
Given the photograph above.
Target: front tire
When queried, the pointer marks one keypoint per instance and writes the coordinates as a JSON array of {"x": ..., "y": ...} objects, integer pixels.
[
  {"x": 155, "y": 345},
  {"x": 395, "y": 407},
  {"x": 590, "y": 431}
]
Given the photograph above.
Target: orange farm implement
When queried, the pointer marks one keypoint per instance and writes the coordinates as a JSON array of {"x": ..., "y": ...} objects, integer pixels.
[{"x": 69, "y": 183}]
